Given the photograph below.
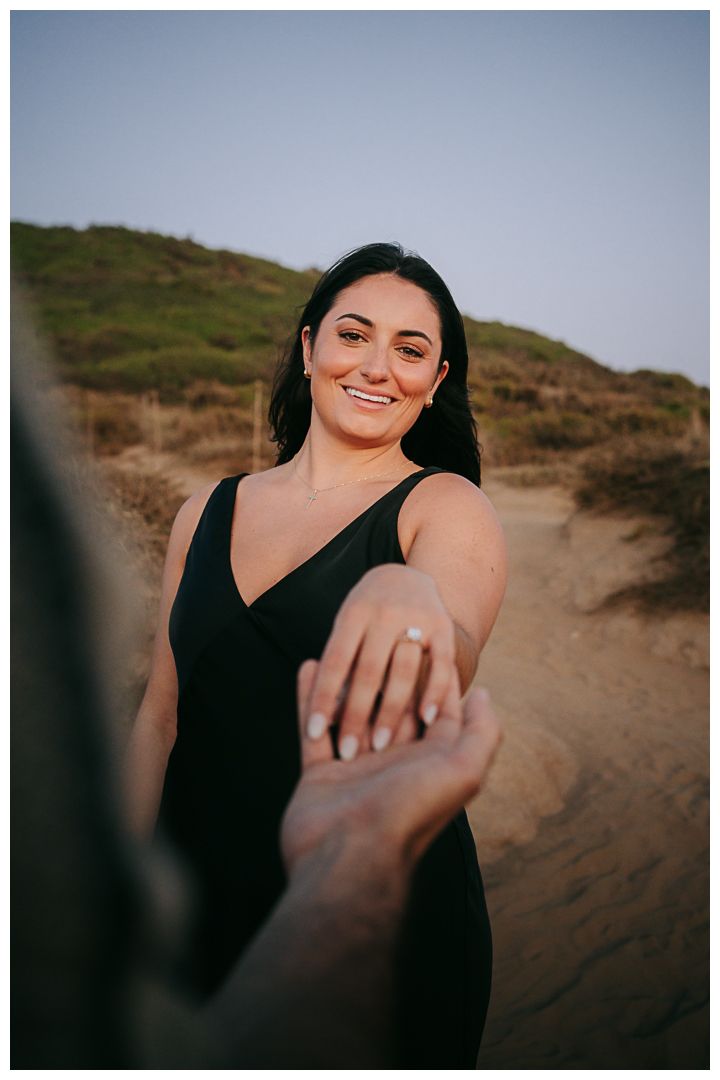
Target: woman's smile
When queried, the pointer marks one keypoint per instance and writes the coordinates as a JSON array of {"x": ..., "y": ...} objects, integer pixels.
[{"x": 366, "y": 399}]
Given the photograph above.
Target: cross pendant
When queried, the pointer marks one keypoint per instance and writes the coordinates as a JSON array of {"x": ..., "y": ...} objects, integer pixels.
[{"x": 313, "y": 496}]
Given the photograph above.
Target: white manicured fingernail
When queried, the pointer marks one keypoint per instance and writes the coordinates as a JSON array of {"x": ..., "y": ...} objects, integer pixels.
[
  {"x": 483, "y": 694},
  {"x": 430, "y": 714},
  {"x": 381, "y": 737},
  {"x": 348, "y": 748},
  {"x": 316, "y": 726}
]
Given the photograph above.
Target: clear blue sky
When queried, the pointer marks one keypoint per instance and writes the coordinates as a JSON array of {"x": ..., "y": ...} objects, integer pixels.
[{"x": 552, "y": 165}]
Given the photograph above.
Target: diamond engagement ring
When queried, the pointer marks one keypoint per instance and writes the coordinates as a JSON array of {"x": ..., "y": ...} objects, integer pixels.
[{"x": 413, "y": 634}]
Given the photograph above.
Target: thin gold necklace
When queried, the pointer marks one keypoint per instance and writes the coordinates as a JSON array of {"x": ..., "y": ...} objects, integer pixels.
[{"x": 319, "y": 491}]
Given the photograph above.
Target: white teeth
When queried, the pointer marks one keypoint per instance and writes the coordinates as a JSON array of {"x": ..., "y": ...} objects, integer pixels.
[{"x": 366, "y": 397}]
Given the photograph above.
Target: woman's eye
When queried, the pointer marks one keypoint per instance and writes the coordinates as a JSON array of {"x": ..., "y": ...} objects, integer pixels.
[
  {"x": 407, "y": 350},
  {"x": 351, "y": 335}
]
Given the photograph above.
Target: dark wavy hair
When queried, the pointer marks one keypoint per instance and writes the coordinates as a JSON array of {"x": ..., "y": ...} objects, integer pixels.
[{"x": 444, "y": 435}]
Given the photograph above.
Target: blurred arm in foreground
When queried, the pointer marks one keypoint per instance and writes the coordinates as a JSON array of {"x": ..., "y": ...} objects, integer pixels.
[{"x": 314, "y": 990}]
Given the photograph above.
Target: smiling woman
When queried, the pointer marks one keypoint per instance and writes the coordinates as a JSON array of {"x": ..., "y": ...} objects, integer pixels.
[
  {"x": 445, "y": 435},
  {"x": 370, "y": 547},
  {"x": 398, "y": 370}
]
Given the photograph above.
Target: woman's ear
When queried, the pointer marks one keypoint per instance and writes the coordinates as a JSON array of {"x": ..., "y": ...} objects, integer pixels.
[
  {"x": 441, "y": 375},
  {"x": 307, "y": 348}
]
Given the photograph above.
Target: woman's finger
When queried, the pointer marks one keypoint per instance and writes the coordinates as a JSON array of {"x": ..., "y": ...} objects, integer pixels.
[
  {"x": 305, "y": 681},
  {"x": 367, "y": 682},
  {"x": 442, "y": 666},
  {"x": 399, "y": 693},
  {"x": 408, "y": 729},
  {"x": 313, "y": 749},
  {"x": 448, "y": 723},
  {"x": 334, "y": 670}
]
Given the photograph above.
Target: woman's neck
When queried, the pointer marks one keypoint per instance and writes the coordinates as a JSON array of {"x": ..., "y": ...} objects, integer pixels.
[{"x": 324, "y": 461}]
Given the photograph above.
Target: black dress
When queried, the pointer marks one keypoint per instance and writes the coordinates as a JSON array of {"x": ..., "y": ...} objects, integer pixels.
[{"x": 236, "y": 762}]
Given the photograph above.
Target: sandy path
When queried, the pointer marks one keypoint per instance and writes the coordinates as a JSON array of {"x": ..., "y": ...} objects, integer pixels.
[{"x": 593, "y": 829}]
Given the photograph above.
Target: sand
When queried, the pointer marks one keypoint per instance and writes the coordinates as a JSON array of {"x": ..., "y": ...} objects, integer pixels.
[{"x": 592, "y": 831}]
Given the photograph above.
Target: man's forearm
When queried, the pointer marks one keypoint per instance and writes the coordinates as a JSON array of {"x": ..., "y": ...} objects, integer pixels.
[{"x": 315, "y": 989}]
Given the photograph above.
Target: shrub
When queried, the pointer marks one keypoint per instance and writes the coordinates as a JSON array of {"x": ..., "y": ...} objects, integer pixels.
[
  {"x": 205, "y": 392},
  {"x": 670, "y": 479},
  {"x": 183, "y": 427},
  {"x": 114, "y": 427},
  {"x": 657, "y": 421},
  {"x": 169, "y": 369},
  {"x": 529, "y": 438},
  {"x": 663, "y": 380},
  {"x": 92, "y": 347}
]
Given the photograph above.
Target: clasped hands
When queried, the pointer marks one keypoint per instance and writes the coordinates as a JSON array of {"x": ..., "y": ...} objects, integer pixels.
[
  {"x": 385, "y": 809},
  {"x": 394, "y": 802},
  {"x": 374, "y": 679}
]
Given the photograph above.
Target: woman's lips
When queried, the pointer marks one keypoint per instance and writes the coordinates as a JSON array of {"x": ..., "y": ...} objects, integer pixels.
[{"x": 366, "y": 400}]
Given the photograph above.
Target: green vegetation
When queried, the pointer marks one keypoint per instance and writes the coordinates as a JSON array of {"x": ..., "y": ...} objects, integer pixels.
[
  {"x": 536, "y": 399},
  {"x": 136, "y": 311}
]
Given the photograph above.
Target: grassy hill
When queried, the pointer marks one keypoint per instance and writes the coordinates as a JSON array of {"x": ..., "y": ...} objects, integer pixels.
[
  {"x": 133, "y": 311},
  {"x": 137, "y": 310},
  {"x": 129, "y": 310},
  {"x": 131, "y": 314}
]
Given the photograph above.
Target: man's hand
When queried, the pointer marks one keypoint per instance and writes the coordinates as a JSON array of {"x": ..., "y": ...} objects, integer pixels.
[{"x": 388, "y": 806}]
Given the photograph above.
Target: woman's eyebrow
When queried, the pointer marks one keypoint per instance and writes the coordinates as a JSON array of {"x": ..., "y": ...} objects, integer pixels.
[
  {"x": 359, "y": 318},
  {"x": 401, "y": 333},
  {"x": 414, "y": 333}
]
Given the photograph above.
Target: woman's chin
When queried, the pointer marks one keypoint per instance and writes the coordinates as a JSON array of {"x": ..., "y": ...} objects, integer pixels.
[{"x": 368, "y": 433}]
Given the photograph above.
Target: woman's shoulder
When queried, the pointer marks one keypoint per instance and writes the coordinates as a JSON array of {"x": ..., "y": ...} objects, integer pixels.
[
  {"x": 446, "y": 499},
  {"x": 188, "y": 516},
  {"x": 448, "y": 488}
]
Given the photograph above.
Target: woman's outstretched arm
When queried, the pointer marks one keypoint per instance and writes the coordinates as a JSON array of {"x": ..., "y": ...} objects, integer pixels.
[
  {"x": 154, "y": 731},
  {"x": 449, "y": 592},
  {"x": 453, "y": 535}
]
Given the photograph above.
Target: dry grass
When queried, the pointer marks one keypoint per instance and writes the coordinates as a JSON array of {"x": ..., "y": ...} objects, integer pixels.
[
  {"x": 550, "y": 434},
  {"x": 211, "y": 422},
  {"x": 149, "y": 505},
  {"x": 563, "y": 473},
  {"x": 656, "y": 463},
  {"x": 143, "y": 508},
  {"x": 671, "y": 480}
]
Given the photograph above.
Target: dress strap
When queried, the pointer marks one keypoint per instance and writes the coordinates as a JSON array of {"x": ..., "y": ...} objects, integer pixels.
[
  {"x": 392, "y": 502},
  {"x": 382, "y": 519},
  {"x": 214, "y": 529}
]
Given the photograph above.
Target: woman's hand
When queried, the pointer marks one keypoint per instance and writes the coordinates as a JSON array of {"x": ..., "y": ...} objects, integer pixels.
[
  {"x": 368, "y": 653},
  {"x": 387, "y": 808}
]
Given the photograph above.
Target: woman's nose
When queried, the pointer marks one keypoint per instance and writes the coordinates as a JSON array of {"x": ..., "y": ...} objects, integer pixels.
[{"x": 376, "y": 364}]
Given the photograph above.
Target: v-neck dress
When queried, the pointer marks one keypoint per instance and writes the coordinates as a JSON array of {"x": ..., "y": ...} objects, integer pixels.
[{"x": 236, "y": 762}]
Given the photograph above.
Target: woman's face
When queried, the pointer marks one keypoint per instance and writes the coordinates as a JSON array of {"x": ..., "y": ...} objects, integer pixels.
[{"x": 374, "y": 360}]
